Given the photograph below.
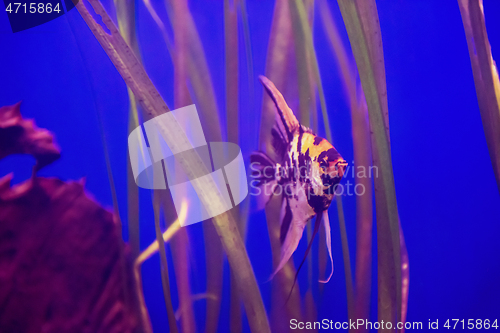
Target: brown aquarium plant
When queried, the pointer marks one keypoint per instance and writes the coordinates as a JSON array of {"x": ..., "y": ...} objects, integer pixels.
[{"x": 62, "y": 261}]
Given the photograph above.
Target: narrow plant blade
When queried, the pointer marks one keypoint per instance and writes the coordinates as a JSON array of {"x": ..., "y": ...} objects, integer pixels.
[
  {"x": 284, "y": 279},
  {"x": 485, "y": 77},
  {"x": 405, "y": 278},
  {"x": 305, "y": 33},
  {"x": 167, "y": 236},
  {"x": 146, "y": 254},
  {"x": 361, "y": 21},
  {"x": 305, "y": 38},
  {"x": 198, "y": 76},
  {"x": 203, "y": 94},
  {"x": 180, "y": 242},
  {"x": 232, "y": 124},
  {"x": 307, "y": 110},
  {"x": 161, "y": 26},
  {"x": 136, "y": 78},
  {"x": 179, "y": 246},
  {"x": 125, "y": 12},
  {"x": 362, "y": 159},
  {"x": 215, "y": 262},
  {"x": 280, "y": 69},
  {"x": 231, "y": 62},
  {"x": 347, "y": 262},
  {"x": 248, "y": 51},
  {"x": 310, "y": 312},
  {"x": 172, "y": 323},
  {"x": 197, "y": 70},
  {"x": 306, "y": 84}
]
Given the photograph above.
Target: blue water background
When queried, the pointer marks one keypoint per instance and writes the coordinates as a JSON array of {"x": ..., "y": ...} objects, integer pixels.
[{"x": 448, "y": 200}]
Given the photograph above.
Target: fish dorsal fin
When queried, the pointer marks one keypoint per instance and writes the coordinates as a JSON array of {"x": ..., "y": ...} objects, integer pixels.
[{"x": 286, "y": 120}]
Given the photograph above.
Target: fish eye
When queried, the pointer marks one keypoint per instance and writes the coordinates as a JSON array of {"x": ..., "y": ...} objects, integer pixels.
[{"x": 333, "y": 173}]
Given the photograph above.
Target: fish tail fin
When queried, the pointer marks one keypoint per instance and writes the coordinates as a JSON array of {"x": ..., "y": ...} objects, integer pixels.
[{"x": 263, "y": 175}]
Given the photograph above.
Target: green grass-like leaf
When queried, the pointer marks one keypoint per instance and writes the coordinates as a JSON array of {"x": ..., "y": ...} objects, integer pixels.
[
  {"x": 136, "y": 78},
  {"x": 280, "y": 69},
  {"x": 304, "y": 41},
  {"x": 485, "y": 77},
  {"x": 363, "y": 28},
  {"x": 362, "y": 158}
]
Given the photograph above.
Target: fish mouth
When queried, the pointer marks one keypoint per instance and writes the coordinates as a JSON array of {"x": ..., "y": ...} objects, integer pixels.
[{"x": 341, "y": 166}]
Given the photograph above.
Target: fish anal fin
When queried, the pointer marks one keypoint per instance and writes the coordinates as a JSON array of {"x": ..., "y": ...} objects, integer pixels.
[
  {"x": 299, "y": 218},
  {"x": 286, "y": 219},
  {"x": 290, "y": 243}
]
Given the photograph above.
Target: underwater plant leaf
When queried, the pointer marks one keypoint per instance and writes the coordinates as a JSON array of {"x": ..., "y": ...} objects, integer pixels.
[
  {"x": 310, "y": 311},
  {"x": 485, "y": 75},
  {"x": 60, "y": 261},
  {"x": 347, "y": 259},
  {"x": 363, "y": 29},
  {"x": 282, "y": 311},
  {"x": 280, "y": 69},
  {"x": 21, "y": 136},
  {"x": 180, "y": 243},
  {"x": 214, "y": 257},
  {"x": 307, "y": 94},
  {"x": 179, "y": 247},
  {"x": 362, "y": 159},
  {"x": 248, "y": 50},
  {"x": 165, "y": 281},
  {"x": 405, "y": 277},
  {"x": 136, "y": 78},
  {"x": 232, "y": 130},
  {"x": 125, "y": 12},
  {"x": 305, "y": 37},
  {"x": 364, "y": 206},
  {"x": 146, "y": 254},
  {"x": 231, "y": 63},
  {"x": 161, "y": 26},
  {"x": 198, "y": 75},
  {"x": 302, "y": 28},
  {"x": 167, "y": 236},
  {"x": 213, "y": 247}
]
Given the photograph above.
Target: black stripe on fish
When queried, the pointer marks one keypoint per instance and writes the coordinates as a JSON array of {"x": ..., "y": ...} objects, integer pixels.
[
  {"x": 320, "y": 202},
  {"x": 329, "y": 155},
  {"x": 317, "y": 140},
  {"x": 304, "y": 167},
  {"x": 299, "y": 141},
  {"x": 285, "y": 224},
  {"x": 278, "y": 142}
]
